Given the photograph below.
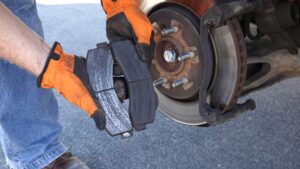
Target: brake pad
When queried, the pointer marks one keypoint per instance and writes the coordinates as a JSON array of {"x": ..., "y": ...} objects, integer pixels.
[
  {"x": 100, "y": 70},
  {"x": 142, "y": 97}
]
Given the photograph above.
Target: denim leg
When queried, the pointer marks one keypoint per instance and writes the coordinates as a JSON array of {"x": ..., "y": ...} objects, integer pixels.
[{"x": 29, "y": 127}]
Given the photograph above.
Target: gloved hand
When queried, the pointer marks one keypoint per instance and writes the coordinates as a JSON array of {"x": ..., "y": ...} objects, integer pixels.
[
  {"x": 68, "y": 75},
  {"x": 126, "y": 21}
]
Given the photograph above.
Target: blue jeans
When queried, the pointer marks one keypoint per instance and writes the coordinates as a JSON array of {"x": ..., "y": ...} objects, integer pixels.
[{"x": 29, "y": 127}]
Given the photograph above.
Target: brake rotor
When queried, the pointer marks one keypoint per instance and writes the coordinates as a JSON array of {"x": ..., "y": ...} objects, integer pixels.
[{"x": 229, "y": 65}]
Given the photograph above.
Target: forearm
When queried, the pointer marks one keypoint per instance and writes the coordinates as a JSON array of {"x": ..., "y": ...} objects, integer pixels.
[{"x": 19, "y": 45}]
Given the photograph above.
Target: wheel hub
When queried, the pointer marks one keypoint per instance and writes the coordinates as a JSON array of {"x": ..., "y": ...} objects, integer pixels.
[
  {"x": 168, "y": 65},
  {"x": 174, "y": 39}
]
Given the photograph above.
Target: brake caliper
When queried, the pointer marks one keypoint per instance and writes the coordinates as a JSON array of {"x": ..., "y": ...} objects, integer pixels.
[{"x": 222, "y": 16}]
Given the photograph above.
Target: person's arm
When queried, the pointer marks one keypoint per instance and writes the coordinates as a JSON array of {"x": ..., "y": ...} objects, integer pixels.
[
  {"x": 53, "y": 68},
  {"x": 19, "y": 45}
]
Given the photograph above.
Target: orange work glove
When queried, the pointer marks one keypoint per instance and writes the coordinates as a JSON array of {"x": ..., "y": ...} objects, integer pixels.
[
  {"x": 126, "y": 21},
  {"x": 68, "y": 75}
]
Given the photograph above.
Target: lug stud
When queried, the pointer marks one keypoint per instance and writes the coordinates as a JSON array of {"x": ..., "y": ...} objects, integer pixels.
[
  {"x": 160, "y": 81},
  {"x": 169, "y": 30},
  {"x": 179, "y": 82},
  {"x": 185, "y": 56}
]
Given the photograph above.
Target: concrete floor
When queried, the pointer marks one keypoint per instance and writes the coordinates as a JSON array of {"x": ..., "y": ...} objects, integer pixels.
[{"x": 268, "y": 137}]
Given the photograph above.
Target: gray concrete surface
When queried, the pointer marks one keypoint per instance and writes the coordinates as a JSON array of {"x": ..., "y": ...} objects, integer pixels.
[{"x": 267, "y": 138}]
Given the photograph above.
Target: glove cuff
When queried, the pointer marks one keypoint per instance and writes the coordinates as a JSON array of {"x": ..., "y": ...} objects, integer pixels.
[{"x": 52, "y": 55}]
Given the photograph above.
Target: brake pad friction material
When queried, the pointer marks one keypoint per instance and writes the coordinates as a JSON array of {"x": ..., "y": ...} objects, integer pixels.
[
  {"x": 100, "y": 69},
  {"x": 99, "y": 65},
  {"x": 142, "y": 112},
  {"x": 143, "y": 101}
]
